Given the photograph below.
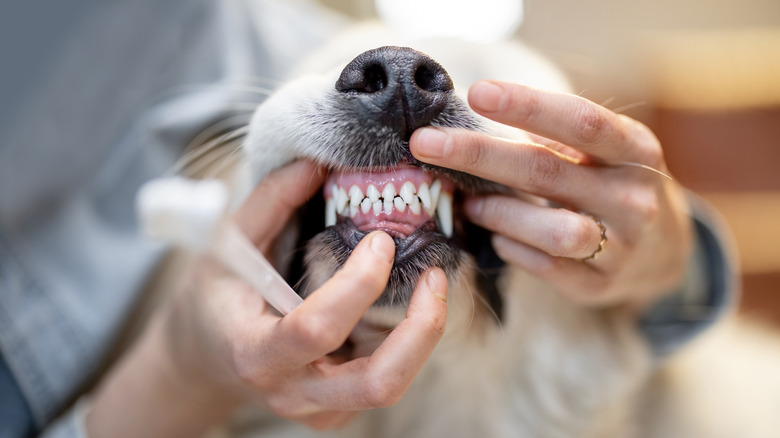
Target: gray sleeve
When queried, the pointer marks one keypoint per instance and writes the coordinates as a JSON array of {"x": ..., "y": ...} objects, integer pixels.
[
  {"x": 709, "y": 291},
  {"x": 70, "y": 424}
]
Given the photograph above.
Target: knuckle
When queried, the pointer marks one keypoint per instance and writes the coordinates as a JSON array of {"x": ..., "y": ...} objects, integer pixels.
[
  {"x": 525, "y": 105},
  {"x": 545, "y": 169},
  {"x": 573, "y": 236},
  {"x": 644, "y": 204},
  {"x": 473, "y": 154},
  {"x": 381, "y": 392},
  {"x": 592, "y": 124},
  {"x": 319, "y": 332}
]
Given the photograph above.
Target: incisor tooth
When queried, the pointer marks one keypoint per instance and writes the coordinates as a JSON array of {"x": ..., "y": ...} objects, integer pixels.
[
  {"x": 407, "y": 192},
  {"x": 377, "y": 206},
  {"x": 425, "y": 197},
  {"x": 355, "y": 196},
  {"x": 330, "y": 212},
  {"x": 388, "y": 193},
  {"x": 372, "y": 193},
  {"x": 388, "y": 205},
  {"x": 365, "y": 205},
  {"x": 444, "y": 213},
  {"x": 415, "y": 206},
  {"x": 399, "y": 203}
]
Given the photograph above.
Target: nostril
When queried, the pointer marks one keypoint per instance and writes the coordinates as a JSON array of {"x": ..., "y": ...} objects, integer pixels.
[
  {"x": 369, "y": 77},
  {"x": 375, "y": 79},
  {"x": 432, "y": 79}
]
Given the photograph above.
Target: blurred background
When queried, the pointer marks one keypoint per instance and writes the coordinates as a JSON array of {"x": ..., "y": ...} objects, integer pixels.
[{"x": 705, "y": 76}]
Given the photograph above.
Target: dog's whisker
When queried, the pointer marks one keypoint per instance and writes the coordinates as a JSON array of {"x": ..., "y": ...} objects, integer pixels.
[{"x": 628, "y": 107}]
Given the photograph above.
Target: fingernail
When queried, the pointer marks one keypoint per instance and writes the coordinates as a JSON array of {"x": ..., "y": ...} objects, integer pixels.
[
  {"x": 383, "y": 246},
  {"x": 434, "y": 285},
  {"x": 430, "y": 143},
  {"x": 486, "y": 96}
]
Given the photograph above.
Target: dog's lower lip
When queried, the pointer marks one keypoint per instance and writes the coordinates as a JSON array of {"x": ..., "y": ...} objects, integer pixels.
[{"x": 406, "y": 246}]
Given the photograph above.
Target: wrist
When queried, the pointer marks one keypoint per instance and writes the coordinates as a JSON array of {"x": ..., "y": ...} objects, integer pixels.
[{"x": 147, "y": 394}]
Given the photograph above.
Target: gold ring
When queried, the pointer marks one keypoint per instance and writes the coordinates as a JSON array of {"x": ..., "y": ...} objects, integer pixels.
[{"x": 603, "y": 241}]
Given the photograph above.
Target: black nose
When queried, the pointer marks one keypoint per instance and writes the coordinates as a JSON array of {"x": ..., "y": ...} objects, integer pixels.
[{"x": 397, "y": 86}]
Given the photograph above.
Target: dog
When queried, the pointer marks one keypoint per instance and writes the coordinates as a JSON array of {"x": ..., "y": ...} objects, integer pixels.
[{"x": 517, "y": 360}]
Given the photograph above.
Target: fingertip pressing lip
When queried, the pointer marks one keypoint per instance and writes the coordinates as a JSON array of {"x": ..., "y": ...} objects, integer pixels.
[
  {"x": 430, "y": 143},
  {"x": 382, "y": 245},
  {"x": 486, "y": 96}
]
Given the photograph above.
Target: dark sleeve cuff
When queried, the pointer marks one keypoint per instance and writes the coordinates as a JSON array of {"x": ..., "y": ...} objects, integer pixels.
[{"x": 710, "y": 289}]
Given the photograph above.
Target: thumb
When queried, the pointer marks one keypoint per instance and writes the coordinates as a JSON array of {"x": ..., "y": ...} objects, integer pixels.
[{"x": 267, "y": 209}]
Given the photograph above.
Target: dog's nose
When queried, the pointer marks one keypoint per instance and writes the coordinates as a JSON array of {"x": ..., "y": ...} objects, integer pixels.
[{"x": 401, "y": 87}]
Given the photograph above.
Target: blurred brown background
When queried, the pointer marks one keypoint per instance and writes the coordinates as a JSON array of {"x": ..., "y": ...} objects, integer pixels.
[{"x": 705, "y": 75}]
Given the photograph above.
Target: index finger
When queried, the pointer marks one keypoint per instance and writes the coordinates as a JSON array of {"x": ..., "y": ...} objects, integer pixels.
[{"x": 566, "y": 118}]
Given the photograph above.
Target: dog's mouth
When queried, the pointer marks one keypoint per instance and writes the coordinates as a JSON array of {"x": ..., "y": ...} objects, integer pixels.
[
  {"x": 406, "y": 202},
  {"x": 415, "y": 207}
]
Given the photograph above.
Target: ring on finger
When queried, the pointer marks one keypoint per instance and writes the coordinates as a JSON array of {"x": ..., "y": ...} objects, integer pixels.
[{"x": 603, "y": 241}]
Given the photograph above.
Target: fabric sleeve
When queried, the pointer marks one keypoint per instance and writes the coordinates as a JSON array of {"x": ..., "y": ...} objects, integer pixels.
[{"x": 710, "y": 289}]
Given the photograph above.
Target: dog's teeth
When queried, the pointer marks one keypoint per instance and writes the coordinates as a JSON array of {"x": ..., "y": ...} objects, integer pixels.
[
  {"x": 444, "y": 213},
  {"x": 388, "y": 205},
  {"x": 341, "y": 201},
  {"x": 330, "y": 212},
  {"x": 415, "y": 206},
  {"x": 377, "y": 206},
  {"x": 355, "y": 196},
  {"x": 389, "y": 191},
  {"x": 435, "y": 192},
  {"x": 365, "y": 205},
  {"x": 373, "y": 193},
  {"x": 407, "y": 192},
  {"x": 399, "y": 204},
  {"x": 425, "y": 197}
]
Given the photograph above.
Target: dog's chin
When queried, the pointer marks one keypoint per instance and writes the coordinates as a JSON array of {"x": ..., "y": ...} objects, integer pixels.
[{"x": 423, "y": 249}]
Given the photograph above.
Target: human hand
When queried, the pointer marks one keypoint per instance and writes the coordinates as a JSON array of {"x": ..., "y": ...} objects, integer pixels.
[
  {"x": 577, "y": 159},
  {"x": 219, "y": 345}
]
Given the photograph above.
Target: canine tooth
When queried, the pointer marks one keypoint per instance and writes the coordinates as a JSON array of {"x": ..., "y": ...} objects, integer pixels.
[
  {"x": 365, "y": 205},
  {"x": 330, "y": 212},
  {"x": 425, "y": 197},
  {"x": 415, "y": 206},
  {"x": 407, "y": 192},
  {"x": 355, "y": 196},
  {"x": 377, "y": 206},
  {"x": 444, "y": 213},
  {"x": 341, "y": 201},
  {"x": 388, "y": 193},
  {"x": 388, "y": 205},
  {"x": 435, "y": 192},
  {"x": 372, "y": 193},
  {"x": 399, "y": 204}
]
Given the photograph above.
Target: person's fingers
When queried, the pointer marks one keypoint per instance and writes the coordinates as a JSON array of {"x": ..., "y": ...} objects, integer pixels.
[
  {"x": 530, "y": 168},
  {"x": 556, "y": 231},
  {"x": 325, "y": 319},
  {"x": 568, "y": 119},
  {"x": 268, "y": 208},
  {"x": 382, "y": 378},
  {"x": 581, "y": 282}
]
